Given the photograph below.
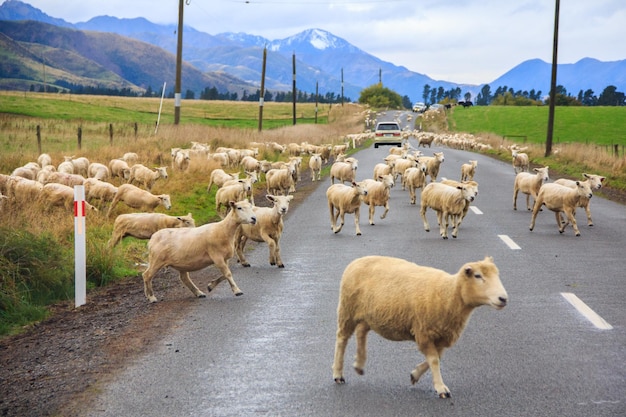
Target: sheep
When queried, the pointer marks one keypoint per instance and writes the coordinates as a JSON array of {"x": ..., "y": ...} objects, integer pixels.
[
  {"x": 130, "y": 158},
  {"x": 279, "y": 181},
  {"x": 44, "y": 160},
  {"x": 140, "y": 199},
  {"x": 81, "y": 166},
  {"x": 472, "y": 187},
  {"x": 23, "y": 172},
  {"x": 344, "y": 199},
  {"x": 378, "y": 192},
  {"x": 44, "y": 173},
  {"x": 143, "y": 175},
  {"x": 119, "y": 168},
  {"x": 529, "y": 184},
  {"x": 144, "y": 225},
  {"x": 66, "y": 167},
  {"x": 232, "y": 192},
  {"x": 595, "y": 182},
  {"x": 192, "y": 249},
  {"x": 413, "y": 179},
  {"x": 220, "y": 157},
  {"x": 54, "y": 194},
  {"x": 23, "y": 190},
  {"x": 268, "y": 229},
  {"x": 448, "y": 202},
  {"x": 381, "y": 169},
  {"x": 520, "y": 160},
  {"x": 249, "y": 181},
  {"x": 432, "y": 164},
  {"x": 251, "y": 164},
  {"x": 468, "y": 171},
  {"x": 344, "y": 170},
  {"x": 425, "y": 140},
  {"x": 315, "y": 165},
  {"x": 219, "y": 177},
  {"x": 403, "y": 301},
  {"x": 100, "y": 190},
  {"x": 561, "y": 199},
  {"x": 400, "y": 166},
  {"x": 181, "y": 160},
  {"x": 66, "y": 179},
  {"x": 98, "y": 171}
]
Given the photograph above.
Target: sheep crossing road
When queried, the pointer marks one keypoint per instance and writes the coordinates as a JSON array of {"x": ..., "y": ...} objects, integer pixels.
[{"x": 270, "y": 351}]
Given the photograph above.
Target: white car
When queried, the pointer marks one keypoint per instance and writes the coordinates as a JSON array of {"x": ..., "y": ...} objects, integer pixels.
[
  {"x": 419, "y": 107},
  {"x": 387, "y": 133}
]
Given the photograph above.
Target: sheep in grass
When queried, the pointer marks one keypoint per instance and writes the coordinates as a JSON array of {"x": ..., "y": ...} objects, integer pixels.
[
  {"x": 140, "y": 199},
  {"x": 378, "y": 192},
  {"x": 99, "y": 190},
  {"x": 344, "y": 199},
  {"x": 99, "y": 171},
  {"x": 315, "y": 165},
  {"x": 279, "y": 181},
  {"x": 146, "y": 177},
  {"x": 119, "y": 168},
  {"x": 449, "y": 203},
  {"x": 402, "y": 301},
  {"x": 233, "y": 192},
  {"x": 468, "y": 171},
  {"x": 44, "y": 160},
  {"x": 561, "y": 199},
  {"x": 595, "y": 182},
  {"x": 144, "y": 225},
  {"x": 529, "y": 184},
  {"x": 219, "y": 177},
  {"x": 81, "y": 166},
  {"x": 55, "y": 194},
  {"x": 268, "y": 229},
  {"x": 192, "y": 249}
]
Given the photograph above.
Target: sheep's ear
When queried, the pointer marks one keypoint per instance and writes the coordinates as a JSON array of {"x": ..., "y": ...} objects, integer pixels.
[
  {"x": 270, "y": 197},
  {"x": 577, "y": 182},
  {"x": 469, "y": 272},
  {"x": 289, "y": 197},
  {"x": 232, "y": 204}
]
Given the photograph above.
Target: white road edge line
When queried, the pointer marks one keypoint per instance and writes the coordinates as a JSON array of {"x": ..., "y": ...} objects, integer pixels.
[
  {"x": 476, "y": 210},
  {"x": 509, "y": 242},
  {"x": 587, "y": 312}
]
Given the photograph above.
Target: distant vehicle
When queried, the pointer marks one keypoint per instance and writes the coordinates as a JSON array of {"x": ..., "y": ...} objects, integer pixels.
[
  {"x": 419, "y": 107},
  {"x": 435, "y": 107},
  {"x": 387, "y": 133}
]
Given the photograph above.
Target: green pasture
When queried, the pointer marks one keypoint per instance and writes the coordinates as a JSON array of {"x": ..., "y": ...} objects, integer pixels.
[{"x": 589, "y": 125}]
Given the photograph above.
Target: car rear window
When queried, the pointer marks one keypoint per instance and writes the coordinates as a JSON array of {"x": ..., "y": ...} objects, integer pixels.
[{"x": 388, "y": 126}]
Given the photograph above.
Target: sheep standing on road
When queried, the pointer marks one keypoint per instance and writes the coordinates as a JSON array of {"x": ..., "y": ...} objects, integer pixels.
[
  {"x": 144, "y": 225},
  {"x": 401, "y": 301},
  {"x": 344, "y": 199},
  {"x": 280, "y": 180},
  {"x": 192, "y": 249},
  {"x": 561, "y": 199},
  {"x": 449, "y": 203},
  {"x": 268, "y": 228},
  {"x": 529, "y": 184},
  {"x": 378, "y": 193},
  {"x": 315, "y": 165},
  {"x": 468, "y": 171},
  {"x": 521, "y": 162},
  {"x": 595, "y": 182},
  {"x": 344, "y": 171},
  {"x": 433, "y": 163},
  {"x": 414, "y": 178}
]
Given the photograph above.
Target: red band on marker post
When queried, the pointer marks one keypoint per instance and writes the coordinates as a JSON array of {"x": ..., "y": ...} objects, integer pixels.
[{"x": 79, "y": 210}]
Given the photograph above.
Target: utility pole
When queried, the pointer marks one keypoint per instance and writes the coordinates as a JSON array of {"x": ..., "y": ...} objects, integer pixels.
[
  {"x": 262, "y": 93},
  {"x": 294, "y": 87},
  {"x": 342, "y": 87},
  {"x": 553, "y": 81},
  {"x": 179, "y": 62}
]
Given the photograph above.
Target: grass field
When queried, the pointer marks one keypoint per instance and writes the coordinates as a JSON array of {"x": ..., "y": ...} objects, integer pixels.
[{"x": 588, "y": 125}]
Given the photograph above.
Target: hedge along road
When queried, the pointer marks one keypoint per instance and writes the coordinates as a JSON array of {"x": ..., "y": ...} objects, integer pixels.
[{"x": 270, "y": 351}]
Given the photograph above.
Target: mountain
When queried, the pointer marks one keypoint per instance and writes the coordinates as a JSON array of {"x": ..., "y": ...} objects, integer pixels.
[{"x": 321, "y": 58}]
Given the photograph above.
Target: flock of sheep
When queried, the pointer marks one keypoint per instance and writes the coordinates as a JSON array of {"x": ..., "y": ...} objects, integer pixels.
[{"x": 373, "y": 292}]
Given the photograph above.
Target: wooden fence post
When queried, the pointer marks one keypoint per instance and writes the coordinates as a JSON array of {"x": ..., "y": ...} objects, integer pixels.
[
  {"x": 39, "y": 139},
  {"x": 135, "y": 130},
  {"x": 111, "y": 134},
  {"x": 80, "y": 137}
]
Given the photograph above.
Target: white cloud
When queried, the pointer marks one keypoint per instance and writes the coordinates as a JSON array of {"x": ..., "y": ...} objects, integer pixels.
[{"x": 465, "y": 41}]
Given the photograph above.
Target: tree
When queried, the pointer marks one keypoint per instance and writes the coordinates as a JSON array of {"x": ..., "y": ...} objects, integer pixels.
[
  {"x": 426, "y": 93},
  {"x": 190, "y": 95},
  {"x": 611, "y": 97},
  {"x": 378, "y": 96},
  {"x": 406, "y": 102},
  {"x": 468, "y": 96}
]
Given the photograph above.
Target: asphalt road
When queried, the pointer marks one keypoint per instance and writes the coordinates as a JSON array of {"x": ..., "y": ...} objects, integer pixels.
[{"x": 269, "y": 352}]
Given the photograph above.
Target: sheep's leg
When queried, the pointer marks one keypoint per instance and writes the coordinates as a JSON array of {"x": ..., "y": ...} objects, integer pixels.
[
  {"x": 386, "y": 210},
  {"x": 147, "y": 275},
  {"x": 515, "y": 191},
  {"x": 240, "y": 245},
  {"x": 536, "y": 207},
  {"x": 419, "y": 370},
  {"x": 423, "y": 214},
  {"x": 412, "y": 195},
  {"x": 372, "y": 211},
  {"x": 226, "y": 275},
  {"x": 528, "y": 202},
  {"x": 588, "y": 211},
  {"x": 357, "y": 215},
  {"x": 432, "y": 355},
  {"x": 443, "y": 223},
  {"x": 333, "y": 218},
  {"x": 361, "y": 347},
  {"x": 456, "y": 221},
  {"x": 186, "y": 279},
  {"x": 272, "y": 249},
  {"x": 571, "y": 215},
  {"x": 345, "y": 328}
]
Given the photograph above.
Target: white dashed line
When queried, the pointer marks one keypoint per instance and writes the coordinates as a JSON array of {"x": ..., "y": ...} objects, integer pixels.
[
  {"x": 476, "y": 210},
  {"x": 509, "y": 242},
  {"x": 587, "y": 312}
]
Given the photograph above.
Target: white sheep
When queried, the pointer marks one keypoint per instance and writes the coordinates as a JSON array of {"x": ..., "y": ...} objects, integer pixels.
[
  {"x": 99, "y": 190},
  {"x": 268, "y": 228},
  {"x": 250, "y": 164},
  {"x": 66, "y": 179},
  {"x": 315, "y": 165},
  {"x": 44, "y": 160},
  {"x": 249, "y": 181},
  {"x": 119, "y": 168},
  {"x": 378, "y": 193},
  {"x": 22, "y": 190},
  {"x": 232, "y": 192},
  {"x": 381, "y": 169},
  {"x": 193, "y": 249},
  {"x": 279, "y": 181},
  {"x": 144, "y": 225},
  {"x": 344, "y": 199},
  {"x": 449, "y": 203},
  {"x": 98, "y": 171},
  {"x": 130, "y": 158},
  {"x": 219, "y": 177},
  {"x": 81, "y": 166},
  {"x": 529, "y": 184},
  {"x": 400, "y": 166},
  {"x": 402, "y": 301},
  {"x": 472, "y": 187},
  {"x": 54, "y": 194},
  {"x": 66, "y": 167},
  {"x": 520, "y": 160},
  {"x": 561, "y": 199},
  {"x": 344, "y": 171},
  {"x": 24, "y": 172},
  {"x": 433, "y": 163},
  {"x": 143, "y": 175},
  {"x": 468, "y": 171},
  {"x": 425, "y": 140},
  {"x": 595, "y": 182},
  {"x": 140, "y": 199},
  {"x": 413, "y": 179},
  {"x": 182, "y": 160}
]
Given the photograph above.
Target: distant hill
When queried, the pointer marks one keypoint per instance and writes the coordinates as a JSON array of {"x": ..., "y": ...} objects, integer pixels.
[{"x": 320, "y": 59}]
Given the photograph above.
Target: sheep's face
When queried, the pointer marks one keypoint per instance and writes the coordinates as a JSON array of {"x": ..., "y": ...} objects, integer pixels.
[
  {"x": 165, "y": 201},
  {"x": 482, "y": 285},
  {"x": 595, "y": 181},
  {"x": 244, "y": 212},
  {"x": 281, "y": 203},
  {"x": 584, "y": 189},
  {"x": 543, "y": 172}
]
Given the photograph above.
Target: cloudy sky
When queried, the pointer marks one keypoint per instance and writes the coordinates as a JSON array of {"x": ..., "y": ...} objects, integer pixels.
[{"x": 463, "y": 41}]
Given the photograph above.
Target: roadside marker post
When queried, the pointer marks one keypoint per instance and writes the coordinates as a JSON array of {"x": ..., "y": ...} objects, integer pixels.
[{"x": 80, "y": 281}]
